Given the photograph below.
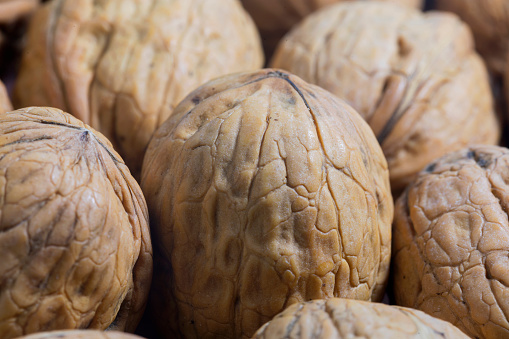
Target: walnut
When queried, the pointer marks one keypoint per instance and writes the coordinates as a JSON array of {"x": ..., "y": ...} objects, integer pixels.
[
  {"x": 489, "y": 21},
  {"x": 274, "y": 18},
  {"x": 10, "y": 10},
  {"x": 123, "y": 65},
  {"x": 451, "y": 241},
  {"x": 264, "y": 191},
  {"x": 74, "y": 236},
  {"x": 5, "y": 103},
  {"x": 414, "y": 77},
  {"x": 344, "y": 318},
  {"x": 81, "y": 334}
]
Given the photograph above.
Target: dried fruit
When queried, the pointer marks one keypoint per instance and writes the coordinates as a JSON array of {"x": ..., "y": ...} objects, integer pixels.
[
  {"x": 344, "y": 318},
  {"x": 451, "y": 241},
  {"x": 123, "y": 65},
  {"x": 74, "y": 235},
  {"x": 264, "y": 191},
  {"x": 414, "y": 77}
]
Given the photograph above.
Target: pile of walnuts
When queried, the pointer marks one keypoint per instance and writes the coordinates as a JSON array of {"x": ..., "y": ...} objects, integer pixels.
[{"x": 156, "y": 181}]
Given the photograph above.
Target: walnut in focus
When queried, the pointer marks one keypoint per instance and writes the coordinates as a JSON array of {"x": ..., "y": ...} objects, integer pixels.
[
  {"x": 415, "y": 78},
  {"x": 264, "y": 191},
  {"x": 344, "y": 318},
  {"x": 274, "y": 18},
  {"x": 5, "y": 103},
  {"x": 81, "y": 334},
  {"x": 451, "y": 241},
  {"x": 123, "y": 65},
  {"x": 74, "y": 236},
  {"x": 489, "y": 21}
]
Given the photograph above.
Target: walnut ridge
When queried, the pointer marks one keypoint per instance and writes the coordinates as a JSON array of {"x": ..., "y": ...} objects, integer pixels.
[
  {"x": 74, "y": 237},
  {"x": 414, "y": 77},
  {"x": 263, "y": 191},
  {"x": 451, "y": 241}
]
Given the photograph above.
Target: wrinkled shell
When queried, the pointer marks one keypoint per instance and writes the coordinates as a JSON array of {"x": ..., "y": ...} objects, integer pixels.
[
  {"x": 274, "y": 18},
  {"x": 264, "y": 191},
  {"x": 81, "y": 334},
  {"x": 74, "y": 234},
  {"x": 451, "y": 241},
  {"x": 344, "y": 318},
  {"x": 414, "y": 77},
  {"x": 123, "y": 65},
  {"x": 489, "y": 21},
  {"x": 11, "y": 10},
  {"x": 5, "y": 103}
]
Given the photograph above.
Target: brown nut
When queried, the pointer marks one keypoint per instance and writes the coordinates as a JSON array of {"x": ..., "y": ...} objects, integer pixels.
[
  {"x": 5, "y": 103},
  {"x": 451, "y": 241},
  {"x": 264, "y": 191},
  {"x": 10, "y": 10},
  {"x": 81, "y": 334},
  {"x": 344, "y": 318},
  {"x": 74, "y": 237},
  {"x": 414, "y": 77},
  {"x": 274, "y": 18},
  {"x": 489, "y": 21},
  {"x": 123, "y": 65}
]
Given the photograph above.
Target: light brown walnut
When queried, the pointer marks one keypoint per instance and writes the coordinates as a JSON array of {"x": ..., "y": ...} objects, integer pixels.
[
  {"x": 74, "y": 236},
  {"x": 451, "y": 241},
  {"x": 414, "y": 77},
  {"x": 10, "y": 10},
  {"x": 264, "y": 191},
  {"x": 81, "y": 334},
  {"x": 5, "y": 103},
  {"x": 489, "y": 21},
  {"x": 345, "y": 319},
  {"x": 274, "y": 18},
  {"x": 123, "y": 65}
]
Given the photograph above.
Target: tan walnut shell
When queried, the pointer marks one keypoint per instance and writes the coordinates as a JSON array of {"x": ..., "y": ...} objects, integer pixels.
[
  {"x": 451, "y": 241},
  {"x": 264, "y": 191},
  {"x": 414, "y": 77},
  {"x": 81, "y": 334},
  {"x": 123, "y": 65},
  {"x": 74, "y": 236},
  {"x": 10, "y": 10},
  {"x": 274, "y": 18},
  {"x": 344, "y": 318},
  {"x": 5, "y": 103},
  {"x": 489, "y": 21}
]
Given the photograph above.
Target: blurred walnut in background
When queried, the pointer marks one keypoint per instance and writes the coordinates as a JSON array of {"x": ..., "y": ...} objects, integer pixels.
[
  {"x": 123, "y": 65},
  {"x": 489, "y": 21},
  {"x": 274, "y": 18},
  {"x": 415, "y": 77},
  {"x": 11, "y": 10},
  {"x": 5, "y": 103}
]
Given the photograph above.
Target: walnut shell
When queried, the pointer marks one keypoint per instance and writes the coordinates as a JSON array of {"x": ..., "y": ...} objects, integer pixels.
[
  {"x": 489, "y": 21},
  {"x": 264, "y": 191},
  {"x": 344, "y": 318},
  {"x": 123, "y": 65},
  {"x": 81, "y": 334},
  {"x": 10, "y": 10},
  {"x": 414, "y": 77},
  {"x": 274, "y": 18},
  {"x": 5, "y": 103},
  {"x": 74, "y": 235},
  {"x": 451, "y": 241}
]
